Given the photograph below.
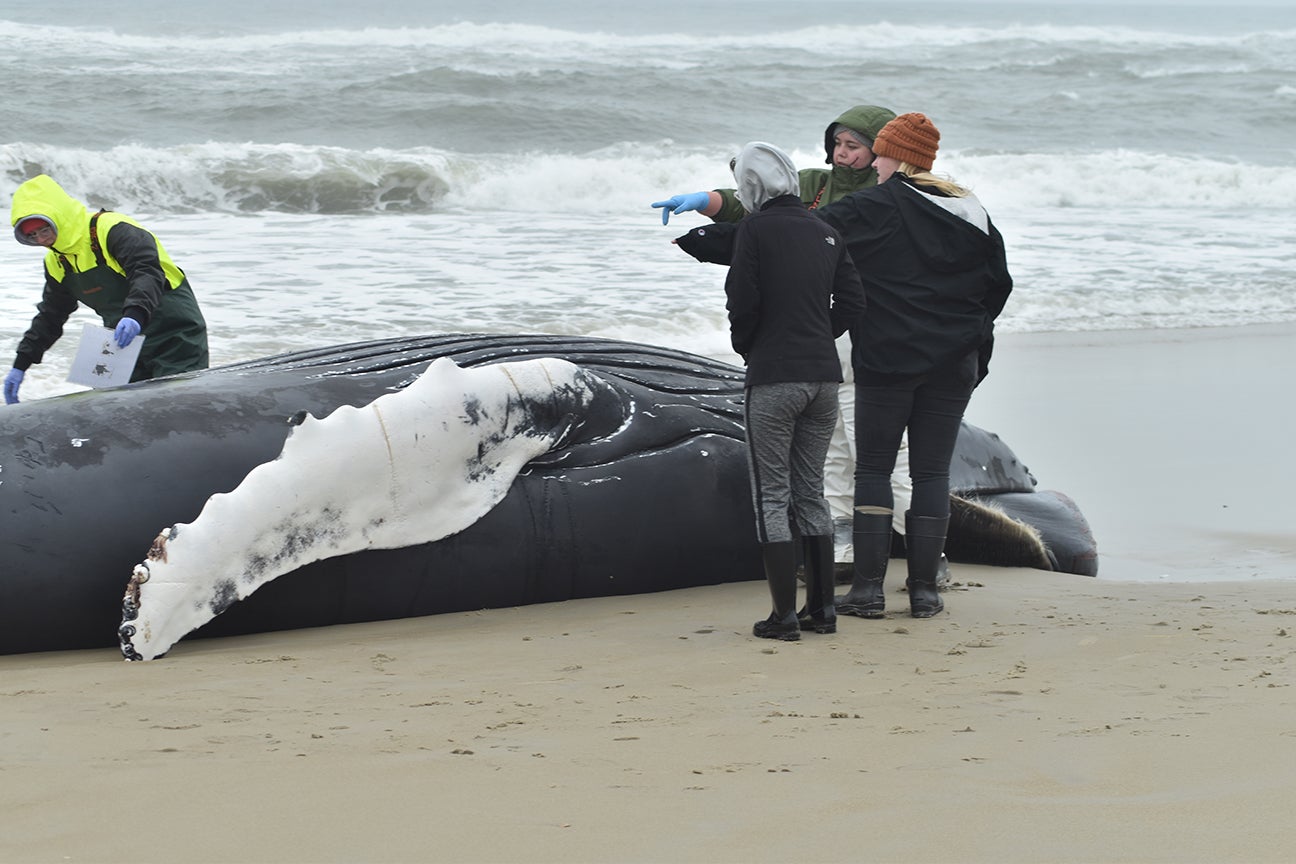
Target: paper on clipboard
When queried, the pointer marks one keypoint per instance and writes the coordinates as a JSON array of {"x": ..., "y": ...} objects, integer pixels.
[{"x": 99, "y": 362}]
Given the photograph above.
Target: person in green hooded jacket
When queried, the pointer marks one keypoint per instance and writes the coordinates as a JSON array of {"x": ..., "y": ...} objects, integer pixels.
[
  {"x": 113, "y": 265},
  {"x": 848, "y": 143},
  {"x": 848, "y": 147}
]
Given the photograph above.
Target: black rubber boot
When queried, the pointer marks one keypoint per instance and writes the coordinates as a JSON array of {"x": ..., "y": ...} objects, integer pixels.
[
  {"x": 865, "y": 599},
  {"x": 780, "y": 574},
  {"x": 942, "y": 571},
  {"x": 819, "y": 613},
  {"x": 925, "y": 537}
]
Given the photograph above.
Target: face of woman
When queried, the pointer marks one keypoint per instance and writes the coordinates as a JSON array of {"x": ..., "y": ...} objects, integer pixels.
[
  {"x": 885, "y": 167},
  {"x": 43, "y": 236},
  {"x": 849, "y": 153}
]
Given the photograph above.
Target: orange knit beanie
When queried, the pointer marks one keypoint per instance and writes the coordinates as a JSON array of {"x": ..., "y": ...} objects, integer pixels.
[{"x": 910, "y": 138}]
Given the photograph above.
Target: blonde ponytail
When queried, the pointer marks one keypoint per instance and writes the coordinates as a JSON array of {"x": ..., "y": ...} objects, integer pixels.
[{"x": 925, "y": 178}]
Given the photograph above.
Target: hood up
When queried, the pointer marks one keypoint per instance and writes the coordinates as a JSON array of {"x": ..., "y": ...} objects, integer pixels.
[
  {"x": 42, "y": 198},
  {"x": 867, "y": 120},
  {"x": 764, "y": 172}
]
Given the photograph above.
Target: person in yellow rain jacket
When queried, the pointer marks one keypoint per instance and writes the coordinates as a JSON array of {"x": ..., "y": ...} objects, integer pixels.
[{"x": 113, "y": 265}]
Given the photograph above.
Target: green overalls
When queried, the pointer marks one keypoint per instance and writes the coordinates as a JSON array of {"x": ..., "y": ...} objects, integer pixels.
[{"x": 177, "y": 333}]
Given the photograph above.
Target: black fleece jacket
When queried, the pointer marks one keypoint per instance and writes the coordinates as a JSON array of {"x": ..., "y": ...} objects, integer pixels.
[{"x": 792, "y": 289}]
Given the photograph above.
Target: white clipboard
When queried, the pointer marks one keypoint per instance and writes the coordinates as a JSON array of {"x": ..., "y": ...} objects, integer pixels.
[{"x": 99, "y": 362}]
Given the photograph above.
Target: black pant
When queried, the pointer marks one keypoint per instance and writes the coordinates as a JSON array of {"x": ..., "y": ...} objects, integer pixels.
[{"x": 931, "y": 407}]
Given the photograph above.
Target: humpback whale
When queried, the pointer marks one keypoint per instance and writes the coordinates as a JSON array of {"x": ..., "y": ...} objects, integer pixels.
[{"x": 405, "y": 477}]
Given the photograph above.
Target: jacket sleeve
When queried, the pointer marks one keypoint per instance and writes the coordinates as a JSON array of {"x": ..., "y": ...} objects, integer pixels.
[
  {"x": 848, "y": 300},
  {"x": 742, "y": 287},
  {"x": 711, "y": 244},
  {"x": 52, "y": 312},
  {"x": 136, "y": 250},
  {"x": 1001, "y": 285},
  {"x": 731, "y": 209}
]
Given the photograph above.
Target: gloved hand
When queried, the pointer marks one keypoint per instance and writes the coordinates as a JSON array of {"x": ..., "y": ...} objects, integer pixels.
[
  {"x": 127, "y": 330},
  {"x": 12, "y": 380},
  {"x": 678, "y": 204}
]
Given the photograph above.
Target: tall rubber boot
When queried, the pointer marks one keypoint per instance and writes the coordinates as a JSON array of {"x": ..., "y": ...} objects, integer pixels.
[
  {"x": 780, "y": 574},
  {"x": 866, "y": 599},
  {"x": 925, "y": 538},
  {"x": 819, "y": 614}
]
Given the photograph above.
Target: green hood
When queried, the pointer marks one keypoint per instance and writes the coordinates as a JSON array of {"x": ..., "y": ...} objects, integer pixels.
[
  {"x": 867, "y": 120},
  {"x": 41, "y": 196}
]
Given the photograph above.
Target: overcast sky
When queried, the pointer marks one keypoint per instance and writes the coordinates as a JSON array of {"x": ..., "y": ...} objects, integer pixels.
[{"x": 1241, "y": 3}]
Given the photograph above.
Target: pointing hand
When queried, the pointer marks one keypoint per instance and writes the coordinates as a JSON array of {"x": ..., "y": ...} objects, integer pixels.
[{"x": 678, "y": 204}]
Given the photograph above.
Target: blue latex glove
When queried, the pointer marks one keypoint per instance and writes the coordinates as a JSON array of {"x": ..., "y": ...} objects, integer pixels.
[
  {"x": 127, "y": 330},
  {"x": 12, "y": 380},
  {"x": 678, "y": 204}
]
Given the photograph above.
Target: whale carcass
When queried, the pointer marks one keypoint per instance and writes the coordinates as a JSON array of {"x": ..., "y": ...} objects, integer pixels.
[{"x": 622, "y": 470}]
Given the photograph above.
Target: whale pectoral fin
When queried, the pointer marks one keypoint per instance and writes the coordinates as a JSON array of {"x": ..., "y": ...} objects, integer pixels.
[
  {"x": 128, "y": 631},
  {"x": 423, "y": 463}
]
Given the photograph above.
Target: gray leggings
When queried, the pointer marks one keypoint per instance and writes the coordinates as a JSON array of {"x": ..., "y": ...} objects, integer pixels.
[{"x": 789, "y": 426}]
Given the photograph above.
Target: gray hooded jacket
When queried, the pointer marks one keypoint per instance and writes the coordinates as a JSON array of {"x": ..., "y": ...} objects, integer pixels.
[{"x": 792, "y": 287}]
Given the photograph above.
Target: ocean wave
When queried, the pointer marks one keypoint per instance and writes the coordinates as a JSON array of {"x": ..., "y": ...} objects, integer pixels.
[
  {"x": 292, "y": 178},
  {"x": 240, "y": 178},
  {"x": 538, "y": 40},
  {"x": 1126, "y": 179}
]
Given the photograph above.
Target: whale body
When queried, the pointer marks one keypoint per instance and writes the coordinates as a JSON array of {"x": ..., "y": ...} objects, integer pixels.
[{"x": 622, "y": 470}]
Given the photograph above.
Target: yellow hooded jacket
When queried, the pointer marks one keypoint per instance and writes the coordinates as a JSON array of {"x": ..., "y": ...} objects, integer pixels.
[
  {"x": 146, "y": 286},
  {"x": 42, "y": 197}
]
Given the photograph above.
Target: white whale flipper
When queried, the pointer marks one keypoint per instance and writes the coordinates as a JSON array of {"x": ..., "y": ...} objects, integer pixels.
[{"x": 410, "y": 467}]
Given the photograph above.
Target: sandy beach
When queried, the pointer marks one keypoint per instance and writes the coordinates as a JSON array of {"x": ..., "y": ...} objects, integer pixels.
[{"x": 1145, "y": 715}]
